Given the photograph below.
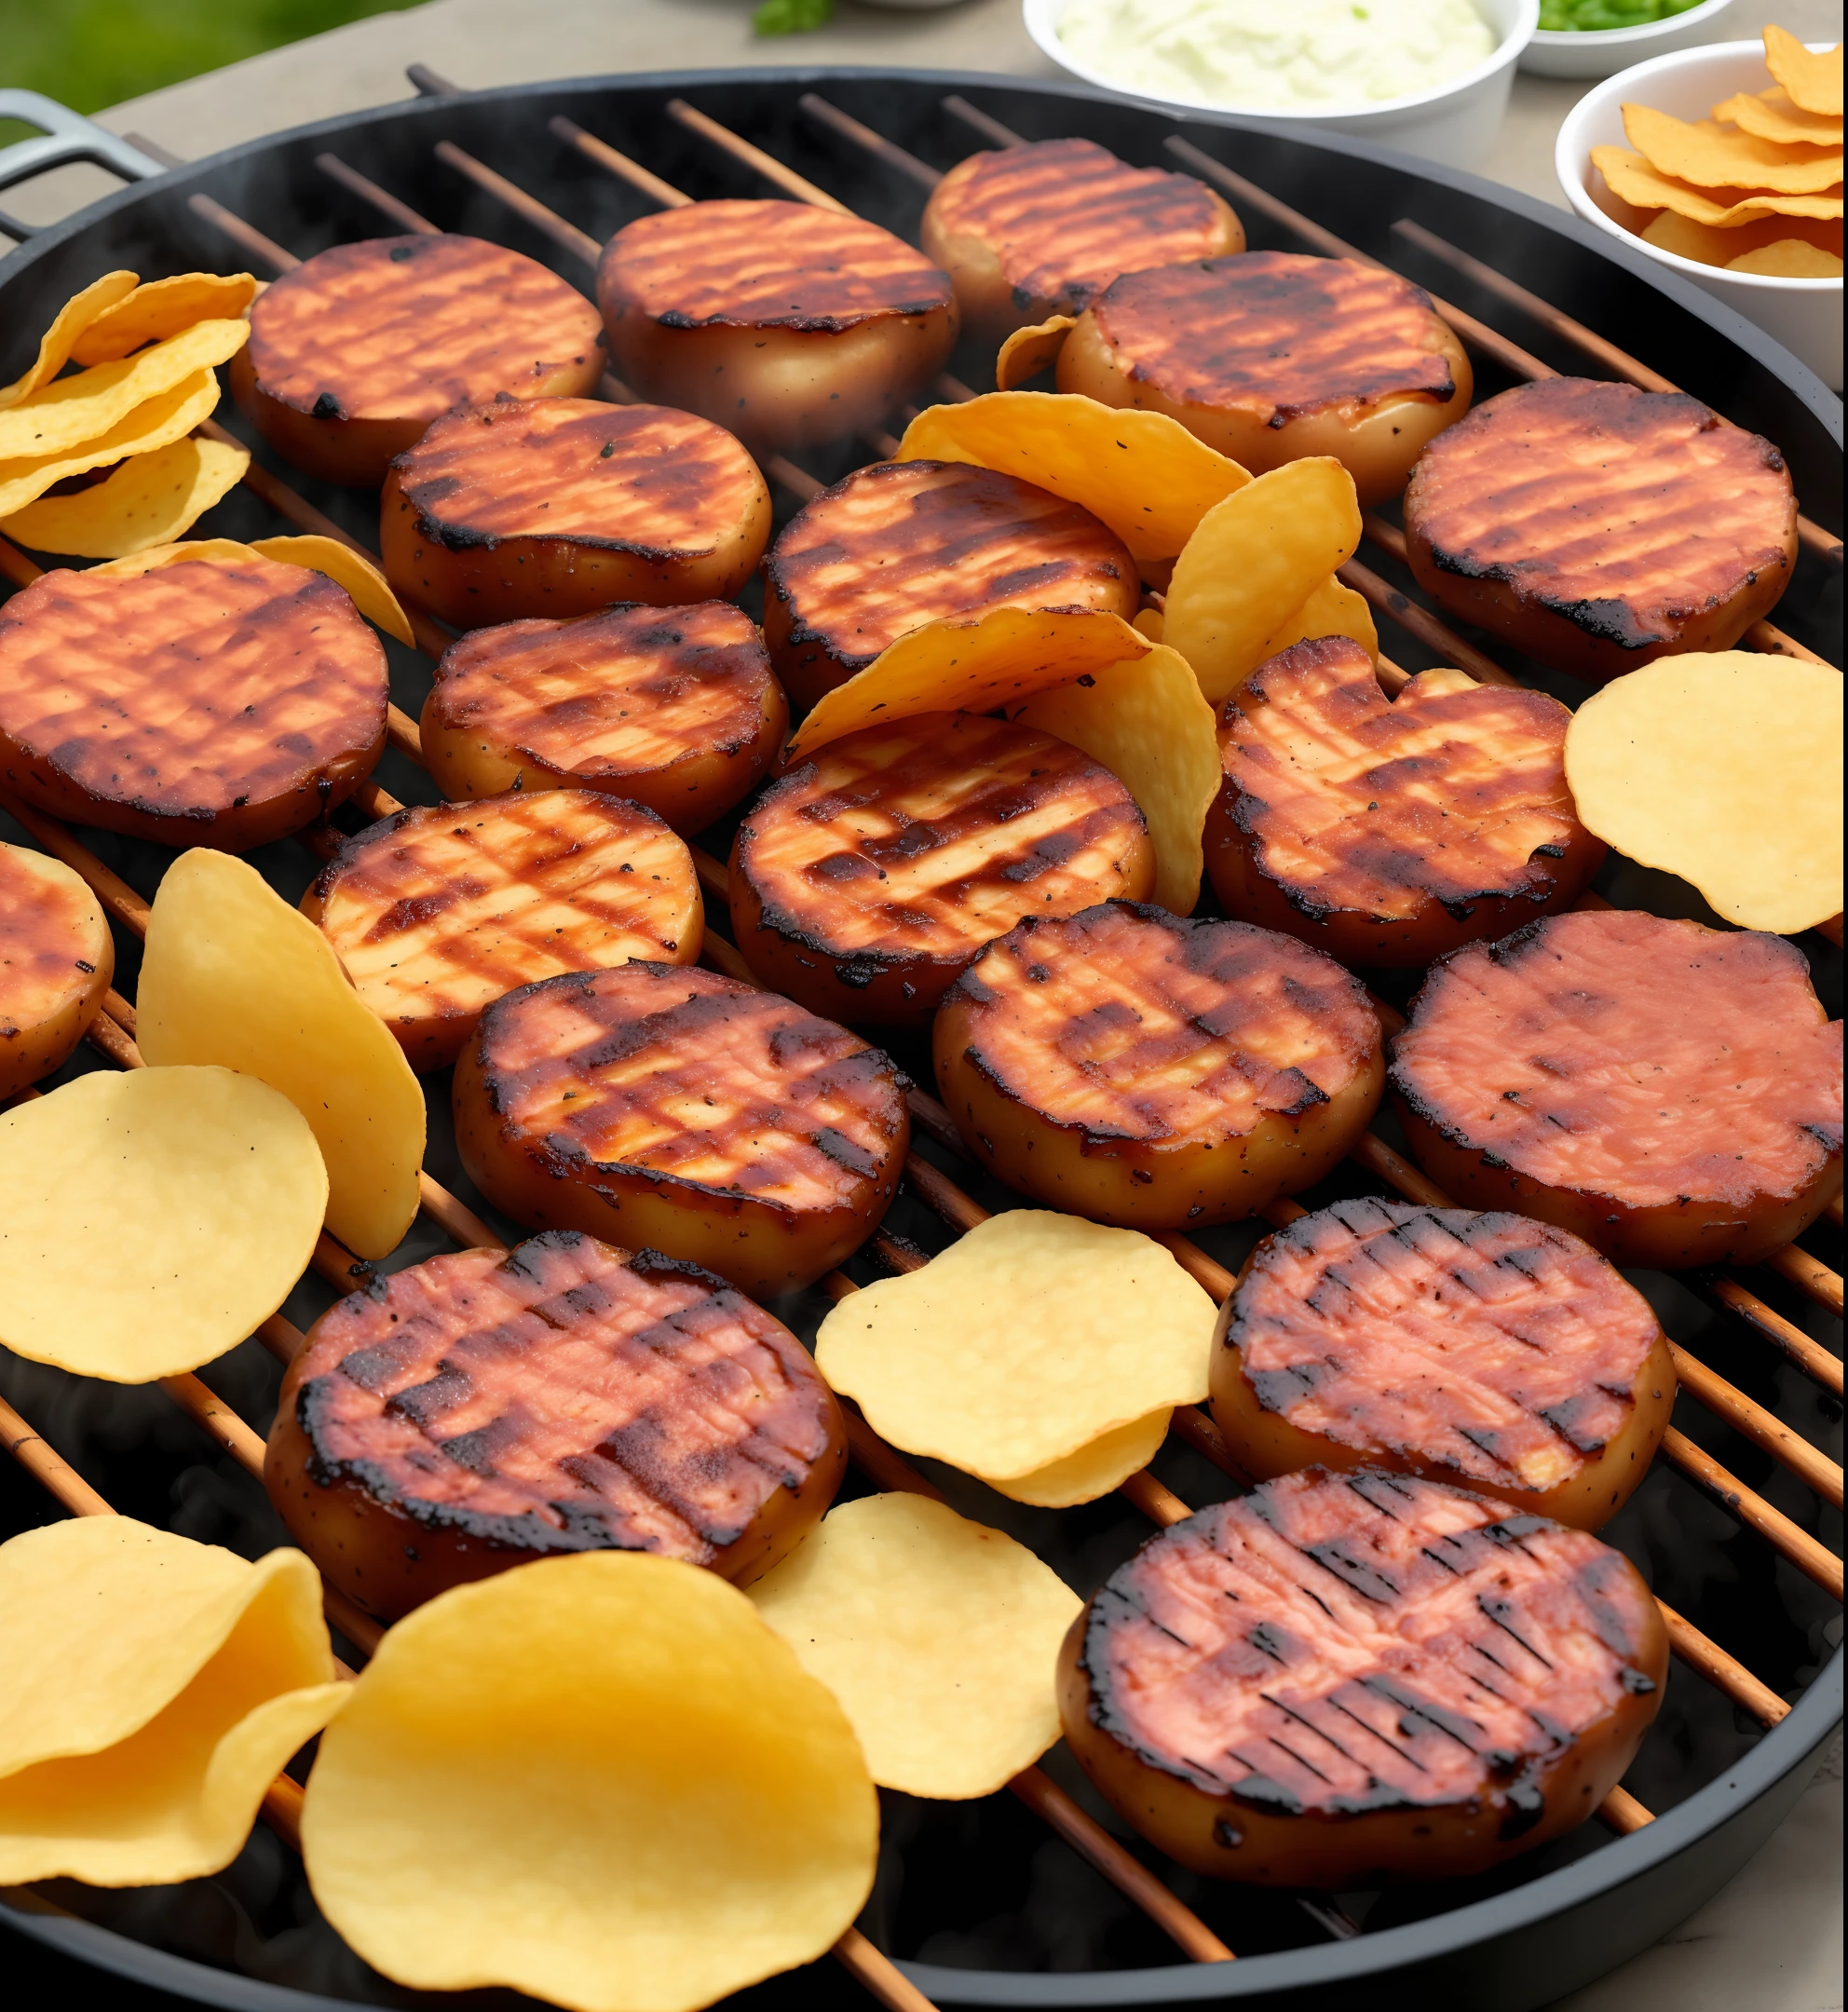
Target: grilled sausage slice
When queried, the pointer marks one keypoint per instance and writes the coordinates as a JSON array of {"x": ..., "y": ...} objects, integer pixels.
[
  {"x": 57, "y": 959},
  {"x": 865, "y": 879},
  {"x": 1668, "y": 1093},
  {"x": 787, "y": 323},
  {"x": 220, "y": 701},
  {"x": 1345, "y": 1680},
  {"x": 353, "y": 352},
  {"x": 1489, "y": 1351},
  {"x": 686, "y": 1112},
  {"x": 1153, "y": 1072},
  {"x": 487, "y": 1407},
  {"x": 903, "y": 543},
  {"x": 1388, "y": 834},
  {"x": 1271, "y": 356},
  {"x": 1598, "y": 527},
  {"x": 677, "y": 710},
  {"x": 1042, "y": 229},
  {"x": 563, "y": 506},
  {"x": 437, "y": 911}
]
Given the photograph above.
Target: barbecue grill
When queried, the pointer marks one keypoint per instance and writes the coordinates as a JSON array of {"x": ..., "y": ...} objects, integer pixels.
[{"x": 1040, "y": 1898}]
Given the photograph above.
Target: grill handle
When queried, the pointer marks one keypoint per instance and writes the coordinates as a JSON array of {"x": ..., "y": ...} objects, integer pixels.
[{"x": 65, "y": 136}]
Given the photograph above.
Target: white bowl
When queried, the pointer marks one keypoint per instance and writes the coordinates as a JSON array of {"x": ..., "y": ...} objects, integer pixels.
[
  {"x": 1804, "y": 314},
  {"x": 1454, "y": 124},
  {"x": 1601, "y": 52}
]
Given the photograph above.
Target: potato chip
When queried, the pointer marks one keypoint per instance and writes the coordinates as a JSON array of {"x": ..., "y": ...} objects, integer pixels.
[
  {"x": 940, "y": 1638},
  {"x": 75, "y": 411},
  {"x": 1255, "y": 561},
  {"x": 151, "y": 1690},
  {"x": 1788, "y": 258},
  {"x": 232, "y": 974},
  {"x": 1813, "y": 81},
  {"x": 1030, "y": 350},
  {"x": 149, "y": 1221},
  {"x": 164, "y": 419},
  {"x": 1330, "y": 610},
  {"x": 1727, "y": 770},
  {"x": 1093, "y": 1470},
  {"x": 1708, "y": 156},
  {"x": 1145, "y": 721},
  {"x": 601, "y": 1779},
  {"x": 1631, "y": 178},
  {"x": 1771, "y": 115},
  {"x": 56, "y": 344},
  {"x": 161, "y": 308},
  {"x": 1143, "y": 474},
  {"x": 151, "y": 499},
  {"x": 1027, "y": 1339},
  {"x": 1148, "y": 624},
  {"x": 970, "y": 664},
  {"x": 1711, "y": 246}
]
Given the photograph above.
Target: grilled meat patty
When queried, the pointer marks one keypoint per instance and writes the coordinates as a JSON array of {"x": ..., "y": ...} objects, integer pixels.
[
  {"x": 1153, "y": 1072},
  {"x": 564, "y": 506},
  {"x": 353, "y": 352},
  {"x": 57, "y": 959},
  {"x": 1345, "y": 1680},
  {"x": 437, "y": 911},
  {"x": 487, "y": 1407},
  {"x": 1271, "y": 356},
  {"x": 684, "y": 1111},
  {"x": 865, "y": 879},
  {"x": 788, "y": 323},
  {"x": 1041, "y": 230},
  {"x": 221, "y": 701},
  {"x": 903, "y": 543},
  {"x": 1668, "y": 1093},
  {"x": 1388, "y": 833},
  {"x": 1490, "y": 1351},
  {"x": 676, "y": 709},
  {"x": 1597, "y": 527}
]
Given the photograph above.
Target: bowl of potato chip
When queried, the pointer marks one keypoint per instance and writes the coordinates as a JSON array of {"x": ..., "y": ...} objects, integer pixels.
[{"x": 1724, "y": 165}]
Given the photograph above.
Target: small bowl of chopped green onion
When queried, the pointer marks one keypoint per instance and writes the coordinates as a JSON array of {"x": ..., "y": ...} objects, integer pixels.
[{"x": 1596, "y": 38}]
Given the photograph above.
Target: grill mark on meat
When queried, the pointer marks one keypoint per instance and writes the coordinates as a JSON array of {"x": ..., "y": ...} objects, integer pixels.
[
  {"x": 50, "y": 933},
  {"x": 1624, "y": 1055},
  {"x": 406, "y": 328},
  {"x": 1277, "y": 333},
  {"x": 765, "y": 265}
]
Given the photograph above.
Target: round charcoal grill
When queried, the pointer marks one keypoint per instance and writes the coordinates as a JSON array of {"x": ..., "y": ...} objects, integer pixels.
[{"x": 1041, "y": 1898}]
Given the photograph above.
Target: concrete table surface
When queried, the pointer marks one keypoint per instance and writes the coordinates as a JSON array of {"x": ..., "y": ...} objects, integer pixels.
[{"x": 1771, "y": 1940}]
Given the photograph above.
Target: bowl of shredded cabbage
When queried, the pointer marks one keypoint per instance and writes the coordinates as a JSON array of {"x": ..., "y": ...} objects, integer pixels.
[{"x": 1597, "y": 38}]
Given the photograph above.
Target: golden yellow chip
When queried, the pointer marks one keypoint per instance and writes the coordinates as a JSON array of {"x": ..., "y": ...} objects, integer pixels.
[
  {"x": 1027, "y": 1339},
  {"x": 970, "y": 664},
  {"x": 1148, "y": 624},
  {"x": 1771, "y": 115},
  {"x": 362, "y": 582},
  {"x": 161, "y": 308},
  {"x": 164, "y": 419},
  {"x": 1093, "y": 1470},
  {"x": 55, "y": 346},
  {"x": 1788, "y": 258},
  {"x": 1145, "y": 721},
  {"x": 940, "y": 1638},
  {"x": 1331, "y": 610},
  {"x": 1710, "y": 245},
  {"x": 1030, "y": 350},
  {"x": 151, "y": 1689},
  {"x": 1813, "y": 81},
  {"x": 149, "y": 500},
  {"x": 1707, "y": 155},
  {"x": 1632, "y": 178},
  {"x": 1255, "y": 561},
  {"x": 1727, "y": 770},
  {"x": 601, "y": 1779},
  {"x": 232, "y": 974},
  {"x": 150, "y": 1221},
  {"x": 1143, "y": 474},
  {"x": 75, "y": 411}
]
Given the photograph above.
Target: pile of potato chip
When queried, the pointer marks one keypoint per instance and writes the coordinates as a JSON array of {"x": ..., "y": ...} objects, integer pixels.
[
  {"x": 125, "y": 420},
  {"x": 1757, "y": 188}
]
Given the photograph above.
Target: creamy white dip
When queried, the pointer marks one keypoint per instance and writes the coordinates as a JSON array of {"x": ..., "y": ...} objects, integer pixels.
[{"x": 1277, "y": 55}]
